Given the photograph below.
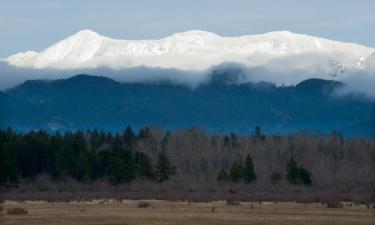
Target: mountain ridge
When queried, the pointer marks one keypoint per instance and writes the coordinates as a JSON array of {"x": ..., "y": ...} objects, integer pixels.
[
  {"x": 91, "y": 102},
  {"x": 191, "y": 50}
]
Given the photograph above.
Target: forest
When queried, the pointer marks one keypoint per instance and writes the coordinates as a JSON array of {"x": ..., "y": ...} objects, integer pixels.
[{"x": 303, "y": 166}]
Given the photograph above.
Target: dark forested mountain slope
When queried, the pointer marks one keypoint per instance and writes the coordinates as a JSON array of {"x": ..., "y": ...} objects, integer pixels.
[
  {"x": 87, "y": 102},
  {"x": 2, "y": 109}
]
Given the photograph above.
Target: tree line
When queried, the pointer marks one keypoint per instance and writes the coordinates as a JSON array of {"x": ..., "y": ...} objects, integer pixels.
[
  {"x": 83, "y": 156},
  {"x": 190, "y": 156}
]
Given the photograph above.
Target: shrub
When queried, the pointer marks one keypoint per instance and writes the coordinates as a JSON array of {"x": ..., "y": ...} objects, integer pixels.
[
  {"x": 143, "y": 204},
  {"x": 232, "y": 202},
  {"x": 334, "y": 205},
  {"x": 17, "y": 211}
]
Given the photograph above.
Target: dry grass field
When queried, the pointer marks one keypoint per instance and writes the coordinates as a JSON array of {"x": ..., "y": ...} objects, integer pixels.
[{"x": 183, "y": 213}]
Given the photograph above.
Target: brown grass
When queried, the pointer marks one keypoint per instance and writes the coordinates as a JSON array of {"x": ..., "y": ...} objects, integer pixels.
[{"x": 182, "y": 213}]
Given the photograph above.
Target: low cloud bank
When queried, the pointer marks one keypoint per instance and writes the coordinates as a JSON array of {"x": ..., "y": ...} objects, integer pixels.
[
  {"x": 280, "y": 71},
  {"x": 360, "y": 81},
  {"x": 11, "y": 76}
]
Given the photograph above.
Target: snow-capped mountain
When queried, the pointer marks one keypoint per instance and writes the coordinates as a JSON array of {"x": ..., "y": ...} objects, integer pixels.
[{"x": 197, "y": 50}]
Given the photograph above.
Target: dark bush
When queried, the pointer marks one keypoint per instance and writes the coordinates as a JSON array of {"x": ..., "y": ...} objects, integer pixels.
[
  {"x": 143, "y": 204},
  {"x": 334, "y": 205},
  {"x": 17, "y": 211},
  {"x": 232, "y": 202}
]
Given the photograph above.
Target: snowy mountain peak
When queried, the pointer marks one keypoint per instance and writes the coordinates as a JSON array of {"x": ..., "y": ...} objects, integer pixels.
[
  {"x": 281, "y": 33},
  {"x": 194, "y": 34},
  {"x": 84, "y": 35},
  {"x": 86, "y": 32},
  {"x": 198, "y": 50}
]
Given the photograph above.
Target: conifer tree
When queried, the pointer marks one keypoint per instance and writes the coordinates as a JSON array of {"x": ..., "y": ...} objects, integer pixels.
[
  {"x": 8, "y": 172},
  {"x": 305, "y": 176},
  {"x": 144, "y": 166},
  {"x": 249, "y": 172},
  {"x": 129, "y": 138},
  {"x": 297, "y": 174},
  {"x": 292, "y": 171},
  {"x": 236, "y": 172},
  {"x": 144, "y": 133},
  {"x": 258, "y": 134},
  {"x": 121, "y": 166},
  {"x": 165, "y": 140},
  {"x": 163, "y": 168}
]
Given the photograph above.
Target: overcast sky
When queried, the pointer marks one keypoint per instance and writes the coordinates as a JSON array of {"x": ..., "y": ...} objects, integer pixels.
[{"x": 36, "y": 24}]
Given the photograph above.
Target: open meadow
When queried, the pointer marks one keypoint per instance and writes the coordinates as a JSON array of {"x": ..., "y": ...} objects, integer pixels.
[{"x": 157, "y": 212}]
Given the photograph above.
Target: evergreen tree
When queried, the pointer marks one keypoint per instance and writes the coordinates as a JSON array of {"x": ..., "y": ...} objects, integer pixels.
[
  {"x": 56, "y": 159},
  {"x": 292, "y": 171},
  {"x": 8, "y": 175},
  {"x": 28, "y": 160},
  {"x": 305, "y": 176},
  {"x": 77, "y": 166},
  {"x": 129, "y": 138},
  {"x": 95, "y": 141},
  {"x": 163, "y": 168},
  {"x": 236, "y": 172},
  {"x": 97, "y": 169},
  {"x": 83, "y": 168},
  {"x": 164, "y": 141},
  {"x": 128, "y": 165},
  {"x": 297, "y": 174},
  {"x": 121, "y": 166},
  {"x": 117, "y": 142},
  {"x": 227, "y": 141},
  {"x": 144, "y": 166},
  {"x": 249, "y": 172},
  {"x": 8, "y": 171},
  {"x": 115, "y": 171},
  {"x": 258, "y": 134},
  {"x": 144, "y": 133}
]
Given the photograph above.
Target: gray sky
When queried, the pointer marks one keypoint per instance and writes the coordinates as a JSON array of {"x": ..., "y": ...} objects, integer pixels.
[{"x": 36, "y": 24}]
